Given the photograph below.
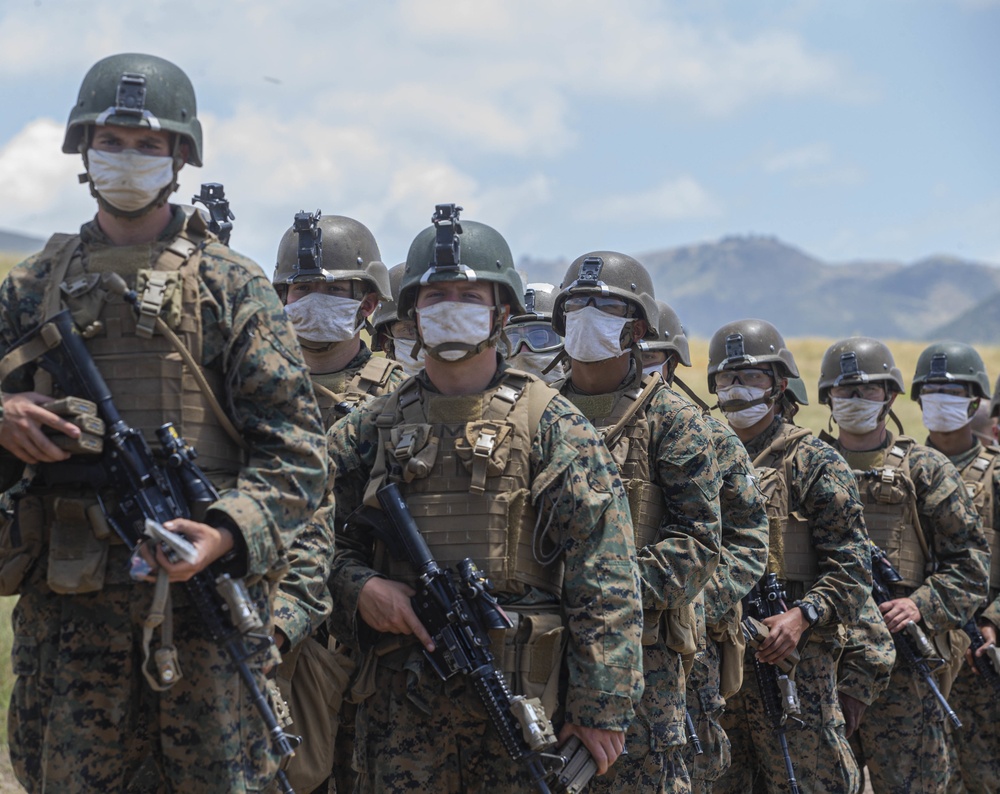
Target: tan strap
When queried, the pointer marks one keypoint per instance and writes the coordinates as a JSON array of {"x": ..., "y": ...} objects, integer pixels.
[
  {"x": 613, "y": 433},
  {"x": 150, "y": 303},
  {"x": 168, "y": 671},
  {"x": 59, "y": 250}
]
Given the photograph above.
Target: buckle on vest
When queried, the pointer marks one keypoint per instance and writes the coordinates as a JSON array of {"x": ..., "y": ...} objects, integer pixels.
[
  {"x": 152, "y": 301},
  {"x": 405, "y": 447}
]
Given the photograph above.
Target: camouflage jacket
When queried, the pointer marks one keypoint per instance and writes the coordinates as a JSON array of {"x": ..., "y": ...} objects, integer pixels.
[
  {"x": 951, "y": 595},
  {"x": 303, "y": 600},
  {"x": 676, "y": 568},
  {"x": 268, "y": 395},
  {"x": 824, "y": 492},
  {"x": 744, "y": 526},
  {"x": 992, "y": 610},
  {"x": 575, "y": 482}
]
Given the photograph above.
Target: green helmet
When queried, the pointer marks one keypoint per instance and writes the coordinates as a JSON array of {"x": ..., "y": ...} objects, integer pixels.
[
  {"x": 858, "y": 360},
  {"x": 672, "y": 339},
  {"x": 330, "y": 248},
  {"x": 450, "y": 250},
  {"x": 609, "y": 273},
  {"x": 951, "y": 362},
  {"x": 134, "y": 90},
  {"x": 539, "y": 298},
  {"x": 749, "y": 343},
  {"x": 385, "y": 314},
  {"x": 796, "y": 391},
  {"x": 995, "y": 399}
]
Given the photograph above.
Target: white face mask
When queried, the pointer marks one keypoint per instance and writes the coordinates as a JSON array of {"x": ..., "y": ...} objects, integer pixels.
[
  {"x": 744, "y": 417},
  {"x": 319, "y": 317},
  {"x": 856, "y": 415},
  {"x": 944, "y": 413},
  {"x": 129, "y": 180},
  {"x": 651, "y": 369},
  {"x": 459, "y": 327},
  {"x": 534, "y": 363},
  {"x": 403, "y": 352},
  {"x": 593, "y": 335}
]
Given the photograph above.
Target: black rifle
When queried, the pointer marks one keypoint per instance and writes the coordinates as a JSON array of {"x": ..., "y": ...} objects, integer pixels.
[
  {"x": 692, "y": 734},
  {"x": 912, "y": 644},
  {"x": 458, "y": 612},
  {"x": 220, "y": 217},
  {"x": 777, "y": 691},
  {"x": 160, "y": 491},
  {"x": 984, "y": 664}
]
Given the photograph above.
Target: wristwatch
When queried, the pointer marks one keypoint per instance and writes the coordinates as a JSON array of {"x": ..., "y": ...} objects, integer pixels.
[{"x": 808, "y": 612}]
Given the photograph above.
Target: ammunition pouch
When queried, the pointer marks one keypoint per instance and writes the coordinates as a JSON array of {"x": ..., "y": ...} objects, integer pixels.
[
  {"x": 728, "y": 636},
  {"x": 21, "y": 533},
  {"x": 78, "y": 544},
  {"x": 951, "y": 647},
  {"x": 531, "y": 656},
  {"x": 313, "y": 681}
]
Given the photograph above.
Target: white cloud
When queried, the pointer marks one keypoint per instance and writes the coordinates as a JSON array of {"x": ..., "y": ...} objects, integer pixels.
[
  {"x": 799, "y": 159},
  {"x": 675, "y": 200}
]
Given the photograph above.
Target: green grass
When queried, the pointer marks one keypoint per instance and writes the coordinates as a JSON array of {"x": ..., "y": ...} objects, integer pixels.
[{"x": 6, "y": 676}]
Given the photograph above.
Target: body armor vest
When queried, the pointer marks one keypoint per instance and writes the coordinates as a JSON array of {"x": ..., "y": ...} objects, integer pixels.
[
  {"x": 979, "y": 477},
  {"x": 891, "y": 513},
  {"x": 351, "y": 387},
  {"x": 146, "y": 375},
  {"x": 463, "y": 467},
  {"x": 791, "y": 554},
  {"x": 630, "y": 449}
]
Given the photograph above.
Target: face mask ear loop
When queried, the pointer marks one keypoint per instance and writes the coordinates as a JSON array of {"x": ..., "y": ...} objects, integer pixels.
[{"x": 899, "y": 425}]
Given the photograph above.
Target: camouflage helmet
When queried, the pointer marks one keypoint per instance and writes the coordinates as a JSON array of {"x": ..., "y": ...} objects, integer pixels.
[
  {"x": 673, "y": 338},
  {"x": 135, "y": 90},
  {"x": 609, "y": 273},
  {"x": 858, "y": 360},
  {"x": 951, "y": 362},
  {"x": 385, "y": 313},
  {"x": 749, "y": 343},
  {"x": 453, "y": 250},
  {"x": 539, "y": 298},
  {"x": 321, "y": 247}
]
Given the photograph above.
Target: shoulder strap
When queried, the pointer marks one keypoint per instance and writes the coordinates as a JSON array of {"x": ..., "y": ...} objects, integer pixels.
[
  {"x": 374, "y": 375},
  {"x": 59, "y": 249},
  {"x": 652, "y": 384}
]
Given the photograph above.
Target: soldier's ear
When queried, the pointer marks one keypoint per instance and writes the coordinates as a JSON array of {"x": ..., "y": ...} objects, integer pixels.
[
  {"x": 368, "y": 303},
  {"x": 639, "y": 329}
]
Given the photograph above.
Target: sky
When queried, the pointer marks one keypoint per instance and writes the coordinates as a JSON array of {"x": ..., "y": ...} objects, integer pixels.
[{"x": 853, "y": 130}]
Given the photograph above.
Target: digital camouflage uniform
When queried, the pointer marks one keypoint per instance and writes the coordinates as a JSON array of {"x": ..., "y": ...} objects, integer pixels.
[
  {"x": 674, "y": 566},
  {"x": 977, "y": 705},
  {"x": 81, "y": 715},
  {"x": 902, "y": 738},
  {"x": 300, "y": 610},
  {"x": 744, "y": 556},
  {"x": 823, "y": 492},
  {"x": 418, "y": 733}
]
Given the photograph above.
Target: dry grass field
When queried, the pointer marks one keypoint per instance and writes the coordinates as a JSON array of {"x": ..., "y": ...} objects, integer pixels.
[{"x": 808, "y": 354}]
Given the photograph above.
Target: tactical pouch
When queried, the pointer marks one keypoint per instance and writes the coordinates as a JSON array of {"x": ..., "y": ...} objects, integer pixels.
[
  {"x": 681, "y": 634},
  {"x": 78, "y": 555},
  {"x": 484, "y": 450},
  {"x": 532, "y": 656},
  {"x": 21, "y": 533},
  {"x": 160, "y": 296},
  {"x": 728, "y": 636},
  {"x": 951, "y": 647},
  {"x": 414, "y": 448}
]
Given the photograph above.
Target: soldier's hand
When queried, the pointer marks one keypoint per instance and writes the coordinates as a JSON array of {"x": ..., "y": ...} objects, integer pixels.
[
  {"x": 786, "y": 631},
  {"x": 385, "y": 606},
  {"x": 898, "y": 613},
  {"x": 989, "y": 632},
  {"x": 854, "y": 710},
  {"x": 604, "y": 746},
  {"x": 21, "y": 429},
  {"x": 210, "y": 543}
]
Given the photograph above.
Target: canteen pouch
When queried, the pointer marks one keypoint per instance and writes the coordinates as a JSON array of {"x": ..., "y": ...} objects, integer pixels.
[
  {"x": 21, "y": 532},
  {"x": 532, "y": 655},
  {"x": 78, "y": 558},
  {"x": 951, "y": 647},
  {"x": 728, "y": 636}
]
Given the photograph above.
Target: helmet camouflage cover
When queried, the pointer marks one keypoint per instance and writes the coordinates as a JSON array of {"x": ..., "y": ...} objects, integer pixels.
[
  {"x": 135, "y": 90},
  {"x": 858, "y": 360},
  {"x": 609, "y": 273},
  {"x": 749, "y": 343},
  {"x": 951, "y": 362}
]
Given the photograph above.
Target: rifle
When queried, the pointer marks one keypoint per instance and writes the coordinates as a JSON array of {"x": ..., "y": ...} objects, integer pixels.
[
  {"x": 220, "y": 217},
  {"x": 151, "y": 492},
  {"x": 912, "y": 644},
  {"x": 777, "y": 691},
  {"x": 692, "y": 734},
  {"x": 988, "y": 664},
  {"x": 458, "y": 610}
]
